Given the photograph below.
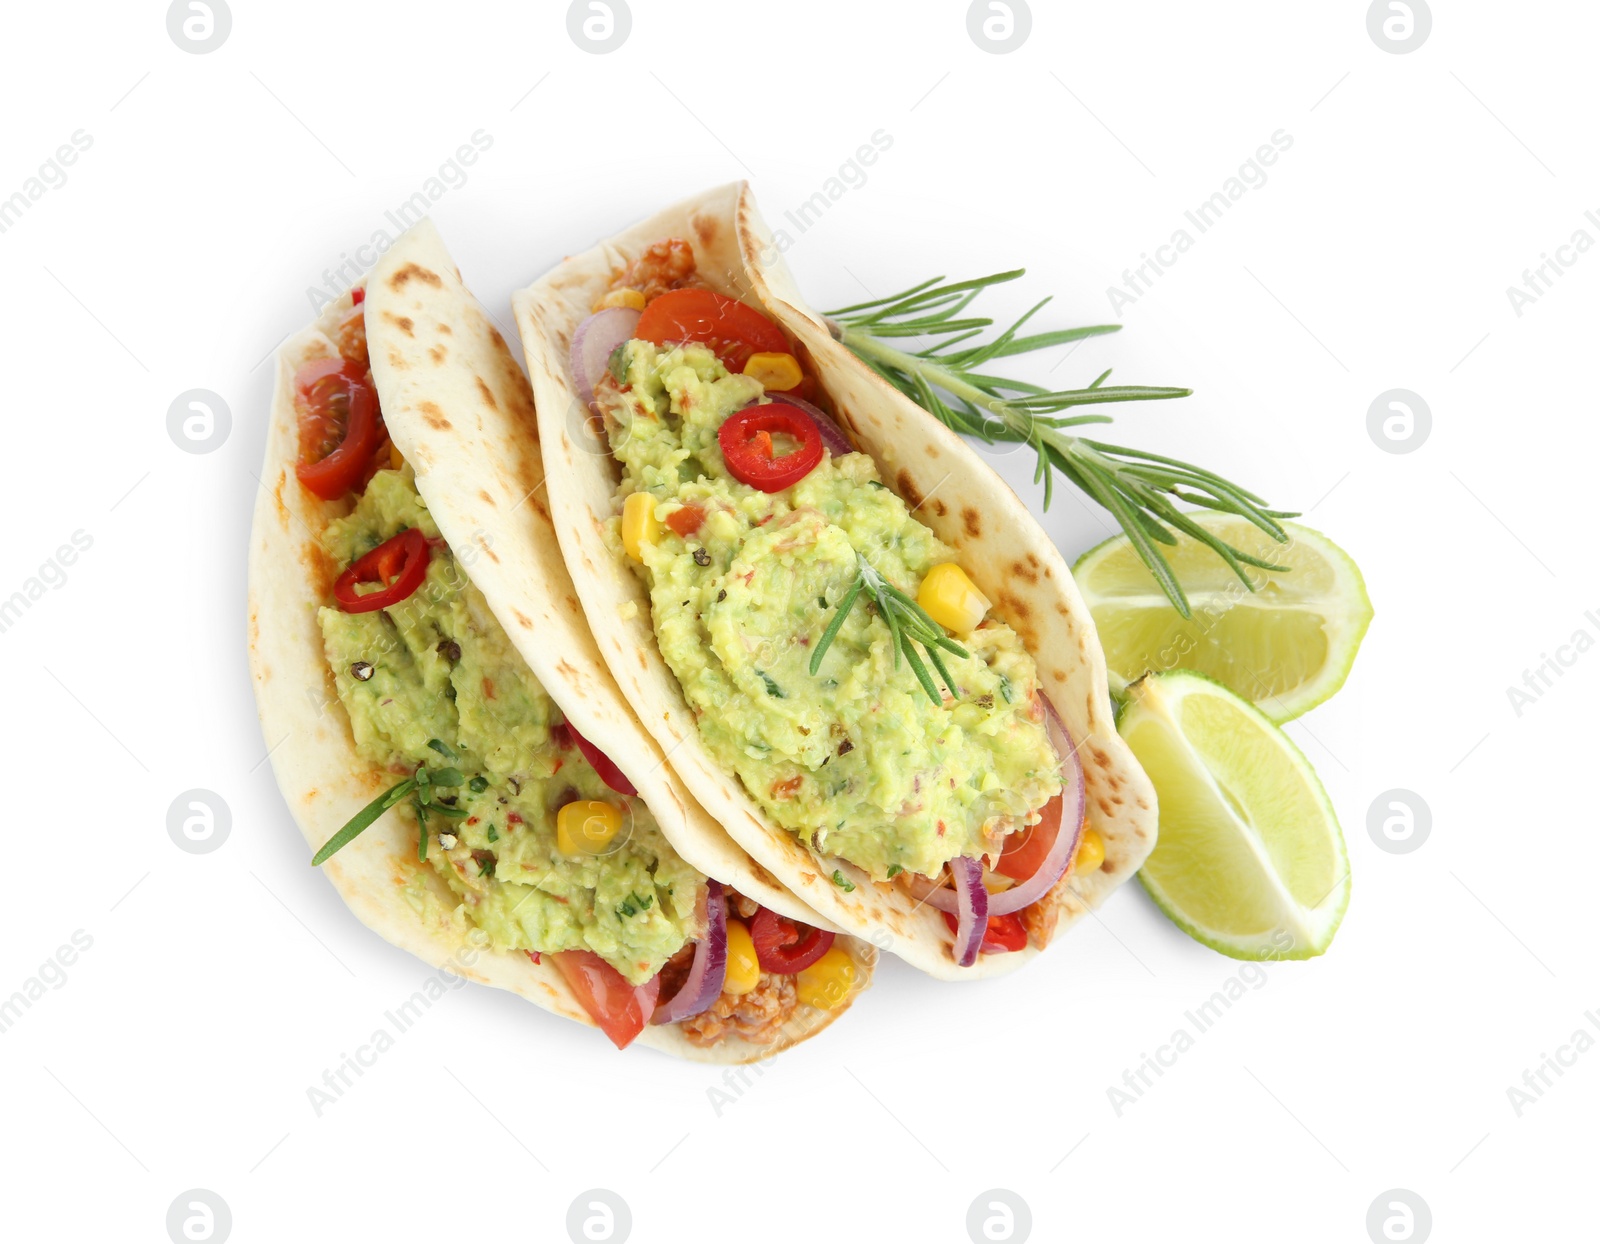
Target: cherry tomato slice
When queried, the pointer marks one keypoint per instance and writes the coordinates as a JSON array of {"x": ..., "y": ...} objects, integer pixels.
[
  {"x": 782, "y": 948},
  {"x": 1002, "y": 935},
  {"x": 746, "y": 442},
  {"x": 601, "y": 763},
  {"x": 339, "y": 426},
  {"x": 733, "y": 330},
  {"x": 1026, "y": 849},
  {"x": 622, "y": 1010},
  {"x": 400, "y": 564}
]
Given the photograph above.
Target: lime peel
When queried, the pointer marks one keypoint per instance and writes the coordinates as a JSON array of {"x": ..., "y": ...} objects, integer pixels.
[{"x": 1250, "y": 860}]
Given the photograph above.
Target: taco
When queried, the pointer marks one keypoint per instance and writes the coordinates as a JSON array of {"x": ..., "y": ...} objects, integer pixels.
[
  {"x": 862, "y": 654},
  {"x": 442, "y": 725}
]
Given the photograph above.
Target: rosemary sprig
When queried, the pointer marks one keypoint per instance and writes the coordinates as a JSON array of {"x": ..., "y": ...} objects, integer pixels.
[
  {"x": 1138, "y": 488},
  {"x": 908, "y": 623},
  {"x": 419, "y": 787}
]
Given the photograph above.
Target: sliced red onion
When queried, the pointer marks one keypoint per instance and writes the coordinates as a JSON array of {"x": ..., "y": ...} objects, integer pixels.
[
  {"x": 593, "y": 345},
  {"x": 1026, "y": 893},
  {"x": 709, "y": 969},
  {"x": 832, "y": 435},
  {"x": 972, "y": 910},
  {"x": 602, "y": 764}
]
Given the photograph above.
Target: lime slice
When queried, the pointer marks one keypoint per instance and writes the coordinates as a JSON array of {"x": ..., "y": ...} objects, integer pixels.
[
  {"x": 1286, "y": 647},
  {"x": 1249, "y": 859}
]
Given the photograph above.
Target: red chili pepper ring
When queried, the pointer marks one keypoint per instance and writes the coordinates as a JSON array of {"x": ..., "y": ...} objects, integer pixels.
[
  {"x": 746, "y": 441},
  {"x": 400, "y": 564}
]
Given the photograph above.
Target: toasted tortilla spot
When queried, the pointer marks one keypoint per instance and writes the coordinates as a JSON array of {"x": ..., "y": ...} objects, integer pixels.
[
  {"x": 706, "y": 229},
  {"x": 523, "y": 620},
  {"x": 1100, "y": 758},
  {"x": 445, "y": 329},
  {"x": 485, "y": 497},
  {"x": 1024, "y": 571},
  {"x": 433, "y": 416},
  {"x": 1016, "y": 607},
  {"x": 438, "y": 354},
  {"x": 1059, "y": 675},
  {"x": 940, "y": 509},
  {"x": 398, "y": 361},
  {"x": 490, "y": 554},
  {"x": 402, "y": 322},
  {"x": 930, "y": 449},
  {"x": 1061, "y": 608},
  {"x": 411, "y": 271},
  {"x": 907, "y": 488},
  {"x": 572, "y": 604},
  {"x": 565, "y": 669},
  {"x": 970, "y": 520},
  {"x": 486, "y": 394}
]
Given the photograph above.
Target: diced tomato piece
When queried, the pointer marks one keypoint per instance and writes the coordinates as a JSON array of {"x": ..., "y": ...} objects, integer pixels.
[{"x": 620, "y": 1009}]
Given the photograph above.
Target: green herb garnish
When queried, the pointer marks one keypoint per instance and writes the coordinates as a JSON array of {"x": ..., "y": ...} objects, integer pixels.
[
  {"x": 1006, "y": 693},
  {"x": 843, "y": 882},
  {"x": 908, "y": 624},
  {"x": 419, "y": 788},
  {"x": 633, "y": 904},
  {"x": 895, "y": 870},
  {"x": 617, "y": 365},
  {"x": 478, "y": 784},
  {"x": 775, "y": 691},
  {"x": 444, "y": 749},
  {"x": 494, "y": 834},
  {"x": 1138, "y": 488}
]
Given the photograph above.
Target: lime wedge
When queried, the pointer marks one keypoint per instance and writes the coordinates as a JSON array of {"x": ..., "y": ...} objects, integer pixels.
[
  {"x": 1249, "y": 859},
  {"x": 1286, "y": 647}
]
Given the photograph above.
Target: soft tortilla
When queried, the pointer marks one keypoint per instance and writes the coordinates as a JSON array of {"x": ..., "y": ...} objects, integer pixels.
[
  {"x": 956, "y": 494},
  {"x": 459, "y": 409}
]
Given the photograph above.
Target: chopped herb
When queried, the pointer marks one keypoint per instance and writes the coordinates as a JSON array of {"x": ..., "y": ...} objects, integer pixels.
[
  {"x": 421, "y": 810},
  {"x": 446, "y": 777},
  {"x": 846, "y": 748},
  {"x": 775, "y": 691},
  {"x": 444, "y": 749},
  {"x": 617, "y": 365},
  {"x": 633, "y": 904},
  {"x": 702, "y": 557},
  {"x": 485, "y": 862},
  {"x": 478, "y": 784},
  {"x": 494, "y": 834},
  {"x": 895, "y": 870},
  {"x": 361, "y": 671},
  {"x": 449, "y": 650},
  {"x": 822, "y": 602},
  {"x": 722, "y": 595},
  {"x": 874, "y": 484},
  {"x": 843, "y": 882},
  {"x": 1005, "y": 688}
]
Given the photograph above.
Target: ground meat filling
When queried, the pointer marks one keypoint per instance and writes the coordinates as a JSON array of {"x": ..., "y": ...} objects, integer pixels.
[
  {"x": 665, "y": 266},
  {"x": 757, "y": 1017}
]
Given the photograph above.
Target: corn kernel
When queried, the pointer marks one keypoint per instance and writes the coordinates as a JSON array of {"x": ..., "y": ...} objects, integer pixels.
[
  {"x": 639, "y": 526},
  {"x": 744, "y": 969},
  {"x": 951, "y": 599},
  {"x": 630, "y": 298},
  {"x": 1091, "y": 852},
  {"x": 777, "y": 372},
  {"x": 827, "y": 982},
  {"x": 586, "y": 827}
]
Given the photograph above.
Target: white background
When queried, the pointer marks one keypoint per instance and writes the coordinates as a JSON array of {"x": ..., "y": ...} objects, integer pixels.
[{"x": 179, "y": 1051}]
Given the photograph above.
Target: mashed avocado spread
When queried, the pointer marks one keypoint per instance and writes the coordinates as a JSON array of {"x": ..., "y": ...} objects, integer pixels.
[
  {"x": 856, "y": 759},
  {"x": 433, "y": 680}
]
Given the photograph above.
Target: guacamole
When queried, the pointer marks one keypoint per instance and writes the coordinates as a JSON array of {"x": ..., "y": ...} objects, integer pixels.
[
  {"x": 433, "y": 680},
  {"x": 856, "y": 759}
]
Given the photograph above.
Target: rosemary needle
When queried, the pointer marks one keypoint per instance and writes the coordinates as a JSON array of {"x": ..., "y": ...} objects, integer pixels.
[{"x": 1138, "y": 488}]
